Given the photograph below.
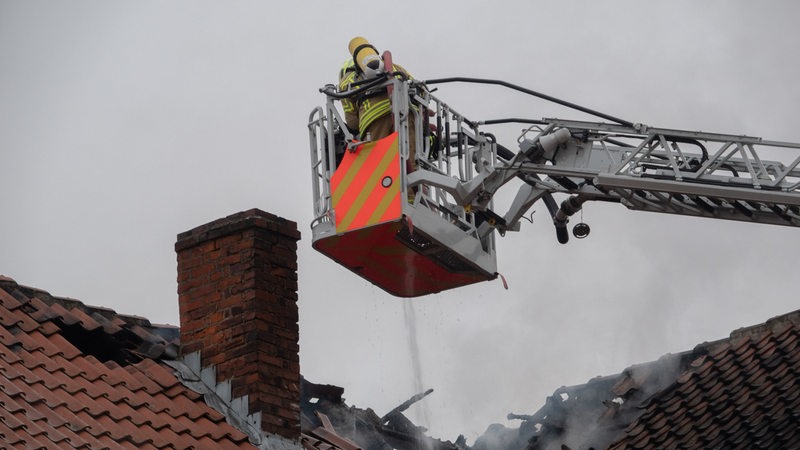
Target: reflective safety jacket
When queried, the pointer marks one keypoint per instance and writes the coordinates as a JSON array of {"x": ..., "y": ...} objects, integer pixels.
[{"x": 361, "y": 111}]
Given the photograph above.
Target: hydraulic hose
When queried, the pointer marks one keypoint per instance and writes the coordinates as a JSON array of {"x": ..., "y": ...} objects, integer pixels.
[
  {"x": 533, "y": 93},
  {"x": 360, "y": 86}
]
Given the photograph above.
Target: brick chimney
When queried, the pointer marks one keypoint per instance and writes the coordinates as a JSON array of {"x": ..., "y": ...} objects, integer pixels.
[{"x": 237, "y": 294}]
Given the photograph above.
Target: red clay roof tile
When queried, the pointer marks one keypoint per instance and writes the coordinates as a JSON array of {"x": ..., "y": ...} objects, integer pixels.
[
  {"x": 8, "y": 302},
  {"x": 73, "y": 370},
  {"x": 789, "y": 343},
  {"x": 157, "y": 373},
  {"x": 740, "y": 392},
  {"x": 88, "y": 323},
  {"x": 55, "y": 395},
  {"x": 57, "y": 345},
  {"x": 792, "y": 394}
]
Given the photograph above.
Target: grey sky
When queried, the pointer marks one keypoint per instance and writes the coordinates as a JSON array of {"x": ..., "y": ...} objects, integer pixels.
[{"x": 125, "y": 123}]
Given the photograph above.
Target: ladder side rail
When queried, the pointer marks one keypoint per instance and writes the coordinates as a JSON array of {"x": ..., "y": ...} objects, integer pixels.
[
  {"x": 316, "y": 123},
  {"x": 421, "y": 108},
  {"x": 743, "y": 157},
  {"x": 330, "y": 156},
  {"x": 705, "y": 136},
  {"x": 323, "y": 124},
  {"x": 640, "y": 130},
  {"x": 400, "y": 111},
  {"x": 558, "y": 171},
  {"x": 707, "y": 173},
  {"x": 587, "y": 172},
  {"x": 635, "y": 132},
  {"x": 656, "y": 175},
  {"x": 723, "y": 190},
  {"x": 729, "y": 211},
  {"x": 334, "y": 121},
  {"x": 600, "y": 127}
]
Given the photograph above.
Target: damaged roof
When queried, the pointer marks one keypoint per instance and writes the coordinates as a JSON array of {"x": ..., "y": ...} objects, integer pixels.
[
  {"x": 323, "y": 409},
  {"x": 85, "y": 377},
  {"x": 74, "y": 376},
  {"x": 735, "y": 393}
]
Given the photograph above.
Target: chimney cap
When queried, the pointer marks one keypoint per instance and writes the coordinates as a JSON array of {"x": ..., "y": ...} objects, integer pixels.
[{"x": 235, "y": 223}]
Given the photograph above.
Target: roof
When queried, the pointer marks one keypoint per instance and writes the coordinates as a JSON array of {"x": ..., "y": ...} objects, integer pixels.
[
  {"x": 738, "y": 392},
  {"x": 78, "y": 376},
  {"x": 75, "y": 376}
]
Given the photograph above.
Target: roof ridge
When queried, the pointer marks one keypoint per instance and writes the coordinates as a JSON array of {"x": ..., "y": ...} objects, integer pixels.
[
  {"x": 771, "y": 324},
  {"x": 77, "y": 320},
  {"x": 70, "y": 303}
]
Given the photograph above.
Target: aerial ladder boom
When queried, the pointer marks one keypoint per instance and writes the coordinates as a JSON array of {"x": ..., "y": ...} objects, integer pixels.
[
  {"x": 661, "y": 170},
  {"x": 451, "y": 220}
]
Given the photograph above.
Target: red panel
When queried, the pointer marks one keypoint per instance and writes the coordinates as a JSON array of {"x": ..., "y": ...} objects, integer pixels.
[{"x": 377, "y": 255}]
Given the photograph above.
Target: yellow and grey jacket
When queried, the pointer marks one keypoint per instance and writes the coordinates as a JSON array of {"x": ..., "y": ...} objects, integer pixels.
[{"x": 361, "y": 111}]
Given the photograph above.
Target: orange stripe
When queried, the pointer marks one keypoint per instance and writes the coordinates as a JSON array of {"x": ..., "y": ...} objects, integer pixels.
[
  {"x": 395, "y": 208},
  {"x": 347, "y": 193},
  {"x": 389, "y": 207},
  {"x": 345, "y": 173},
  {"x": 367, "y": 156},
  {"x": 378, "y": 201},
  {"x": 371, "y": 186}
]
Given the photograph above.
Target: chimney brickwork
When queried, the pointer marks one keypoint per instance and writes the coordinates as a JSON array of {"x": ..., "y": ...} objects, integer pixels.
[{"x": 237, "y": 294}]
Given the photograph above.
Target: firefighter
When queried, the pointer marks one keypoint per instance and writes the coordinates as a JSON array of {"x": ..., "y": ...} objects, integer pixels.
[{"x": 370, "y": 115}]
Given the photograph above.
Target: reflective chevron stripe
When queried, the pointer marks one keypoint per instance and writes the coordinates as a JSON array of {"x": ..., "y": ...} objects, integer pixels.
[
  {"x": 372, "y": 111},
  {"x": 366, "y": 186}
]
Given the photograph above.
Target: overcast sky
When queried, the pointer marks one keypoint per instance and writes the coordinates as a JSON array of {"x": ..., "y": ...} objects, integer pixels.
[{"x": 125, "y": 123}]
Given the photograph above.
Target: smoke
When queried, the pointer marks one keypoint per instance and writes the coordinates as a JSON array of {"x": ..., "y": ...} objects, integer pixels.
[{"x": 596, "y": 415}]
